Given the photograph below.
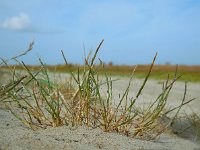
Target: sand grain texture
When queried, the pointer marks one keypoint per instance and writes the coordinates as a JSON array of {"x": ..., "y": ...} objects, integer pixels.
[{"x": 15, "y": 136}]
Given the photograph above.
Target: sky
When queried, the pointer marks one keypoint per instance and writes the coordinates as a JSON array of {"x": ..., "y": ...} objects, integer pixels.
[{"x": 133, "y": 30}]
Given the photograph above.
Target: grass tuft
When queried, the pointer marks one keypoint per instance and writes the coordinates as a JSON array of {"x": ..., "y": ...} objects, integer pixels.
[{"x": 38, "y": 101}]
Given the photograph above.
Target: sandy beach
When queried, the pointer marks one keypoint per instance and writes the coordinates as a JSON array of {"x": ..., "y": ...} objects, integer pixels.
[{"x": 14, "y": 135}]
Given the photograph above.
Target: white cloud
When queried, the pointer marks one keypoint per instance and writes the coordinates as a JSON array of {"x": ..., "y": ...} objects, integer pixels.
[{"x": 17, "y": 23}]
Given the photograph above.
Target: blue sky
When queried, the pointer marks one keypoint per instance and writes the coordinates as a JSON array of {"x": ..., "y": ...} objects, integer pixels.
[{"x": 134, "y": 30}]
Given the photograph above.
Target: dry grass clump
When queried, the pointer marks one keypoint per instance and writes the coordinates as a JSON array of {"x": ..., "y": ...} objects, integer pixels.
[
  {"x": 38, "y": 102},
  {"x": 194, "y": 120},
  {"x": 188, "y": 126},
  {"x": 5, "y": 88}
]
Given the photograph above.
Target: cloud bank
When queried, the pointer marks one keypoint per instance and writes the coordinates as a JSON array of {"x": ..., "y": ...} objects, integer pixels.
[{"x": 16, "y": 23}]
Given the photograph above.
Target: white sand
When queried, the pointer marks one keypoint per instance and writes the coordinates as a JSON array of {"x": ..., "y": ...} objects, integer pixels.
[{"x": 14, "y": 135}]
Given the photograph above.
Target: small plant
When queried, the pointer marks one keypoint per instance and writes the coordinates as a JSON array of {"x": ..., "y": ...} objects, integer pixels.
[{"x": 42, "y": 102}]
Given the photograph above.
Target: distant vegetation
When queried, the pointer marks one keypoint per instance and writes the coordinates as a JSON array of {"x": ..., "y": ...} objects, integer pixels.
[{"x": 188, "y": 73}]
